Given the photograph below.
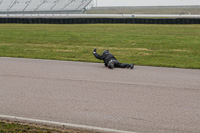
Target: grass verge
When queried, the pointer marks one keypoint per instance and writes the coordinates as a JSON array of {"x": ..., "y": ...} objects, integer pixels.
[
  {"x": 18, "y": 127},
  {"x": 152, "y": 45}
]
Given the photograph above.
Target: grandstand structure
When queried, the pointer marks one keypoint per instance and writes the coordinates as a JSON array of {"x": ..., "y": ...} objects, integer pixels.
[{"x": 43, "y": 6}]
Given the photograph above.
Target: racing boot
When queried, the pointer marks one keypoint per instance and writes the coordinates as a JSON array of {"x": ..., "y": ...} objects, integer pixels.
[{"x": 132, "y": 66}]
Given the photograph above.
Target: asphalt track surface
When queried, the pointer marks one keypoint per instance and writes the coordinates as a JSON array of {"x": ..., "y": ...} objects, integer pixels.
[{"x": 144, "y": 100}]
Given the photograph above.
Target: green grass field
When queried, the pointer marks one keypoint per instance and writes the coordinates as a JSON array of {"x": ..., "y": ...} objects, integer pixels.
[
  {"x": 152, "y": 45},
  {"x": 16, "y": 127},
  {"x": 8, "y": 127}
]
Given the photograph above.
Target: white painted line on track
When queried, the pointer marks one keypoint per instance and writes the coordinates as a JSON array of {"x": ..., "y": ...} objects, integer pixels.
[{"x": 45, "y": 122}]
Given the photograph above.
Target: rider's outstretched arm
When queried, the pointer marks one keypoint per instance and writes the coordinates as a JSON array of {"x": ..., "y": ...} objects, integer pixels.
[{"x": 100, "y": 57}]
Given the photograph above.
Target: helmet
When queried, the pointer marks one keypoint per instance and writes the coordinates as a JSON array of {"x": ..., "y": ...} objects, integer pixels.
[
  {"x": 105, "y": 52},
  {"x": 110, "y": 64}
]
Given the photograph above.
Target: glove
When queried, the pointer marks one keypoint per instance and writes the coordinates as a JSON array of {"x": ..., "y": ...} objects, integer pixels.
[{"x": 94, "y": 51}]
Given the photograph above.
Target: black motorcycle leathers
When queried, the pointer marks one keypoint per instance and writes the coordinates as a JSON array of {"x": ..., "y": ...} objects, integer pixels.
[{"x": 107, "y": 57}]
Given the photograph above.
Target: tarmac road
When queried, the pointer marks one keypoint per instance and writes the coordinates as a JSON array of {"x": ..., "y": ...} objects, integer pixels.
[{"x": 144, "y": 100}]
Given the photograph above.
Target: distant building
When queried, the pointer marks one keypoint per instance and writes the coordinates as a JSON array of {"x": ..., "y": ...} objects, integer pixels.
[{"x": 145, "y": 10}]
